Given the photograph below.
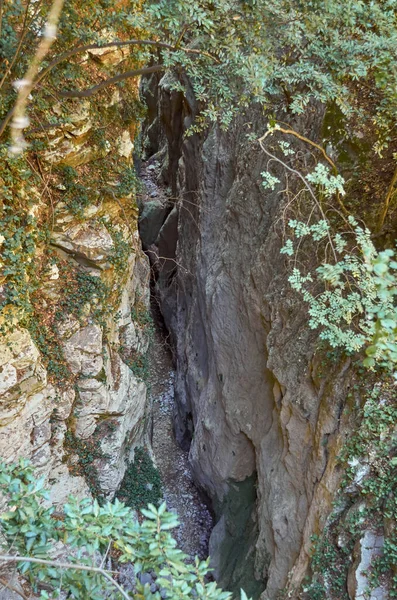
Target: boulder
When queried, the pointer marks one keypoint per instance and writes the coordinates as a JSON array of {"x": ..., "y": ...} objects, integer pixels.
[{"x": 151, "y": 219}]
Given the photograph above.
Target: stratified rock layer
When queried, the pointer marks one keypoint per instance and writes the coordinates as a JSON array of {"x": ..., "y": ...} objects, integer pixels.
[{"x": 101, "y": 405}]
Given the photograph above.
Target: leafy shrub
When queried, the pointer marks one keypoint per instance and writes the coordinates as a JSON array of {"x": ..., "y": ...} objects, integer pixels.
[
  {"x": 90, "y": 534},
  {"x": 141, "y": 483},
  {"x": 353, "y": 299},
  {"x": 372, "y": 445}
]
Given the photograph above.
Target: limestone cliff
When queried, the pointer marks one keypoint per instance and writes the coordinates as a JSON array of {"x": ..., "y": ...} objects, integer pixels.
[
  {"x": 69, "y": 401},
  {"x": 259, "y": 407}
]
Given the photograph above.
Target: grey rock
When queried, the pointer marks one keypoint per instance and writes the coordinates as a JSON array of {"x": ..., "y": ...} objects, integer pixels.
[
  {"x": 246, "y": 383},
  {"x": 151, "y": 220},
  {"x": 365, "y": 551},
  {"x": 146, "y": 578}
]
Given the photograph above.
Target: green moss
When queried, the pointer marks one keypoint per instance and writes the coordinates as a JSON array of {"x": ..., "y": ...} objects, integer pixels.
[{"x": 141, "y": 483}]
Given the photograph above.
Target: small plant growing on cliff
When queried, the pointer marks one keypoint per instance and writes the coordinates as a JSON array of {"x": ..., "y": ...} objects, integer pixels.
[
  {"x": 364, "y": 503},
  {"x": 353, "y": 298},
  {"x": 94, "y": 540},
  {"x": 141, "y": 483}
]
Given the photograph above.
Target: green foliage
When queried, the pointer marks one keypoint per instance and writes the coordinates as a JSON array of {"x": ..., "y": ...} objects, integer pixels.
[
  {"x": 80, "y": 289},
  {"x": 121, "y": 248},
  {"x": 239, "y": 51},
  {"x": 373, "y": 499},
  {"x": 141, "y": 483},
  {"x": 330, "y": 566},
  {"x": 89, "y": 532},
  {"x": 138, "y": 363},
  {"x": 261, "y": 50},
  {"x": 128, "y": 183},
  {"x": 76, "y": 196},
  {"x": 87, "y": 451},
  {"x": 353, "y": 299},
  {"x": 51, "y": 350},
  {"x": 18, "y": 231},
  {"x": 141, "y": 315}
]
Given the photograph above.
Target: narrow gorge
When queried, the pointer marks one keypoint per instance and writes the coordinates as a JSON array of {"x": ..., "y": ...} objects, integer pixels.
[{"x": 192, "y": 309}]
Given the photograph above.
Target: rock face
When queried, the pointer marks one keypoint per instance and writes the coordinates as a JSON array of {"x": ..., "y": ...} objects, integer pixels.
[
  {"x": 36, "y": 414},
  {"x": 263, "y": 424},
  {"x": 64, "y": 386},
  {"x": 366, "y": 549}
]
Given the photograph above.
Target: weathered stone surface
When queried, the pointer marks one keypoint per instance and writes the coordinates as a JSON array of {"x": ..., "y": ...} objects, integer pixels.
[
  {"x": 86, "y": 242},
  {"x": 102, "y": 395},
  {"x": 109, "y": 56},
  {"x": 83, "y": 351},
  {"x": 247, "y": 384},
  {"x": 125, "y": 146},
  {"x": 27, "y": 410},
  {"x": 365, "y": 551},
  {"x": 151, "y": 220}
]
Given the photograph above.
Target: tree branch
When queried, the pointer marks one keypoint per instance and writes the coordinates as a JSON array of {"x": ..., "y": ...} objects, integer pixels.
[
  {"x": 65, "y": 565},
  {"x": 308, "y": 141},
  {"x": 25, "y": 86},
  {"x": 12, "y": 588},
  {"x": 386, "y": 203},
  {"x": 306, "y": 183},
  {"x": 88, "y": 47},
  {"x": 91, "y": 91}
]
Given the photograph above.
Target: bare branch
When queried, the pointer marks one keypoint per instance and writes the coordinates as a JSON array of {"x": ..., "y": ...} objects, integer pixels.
[
  {"x": 110, "y": 81},
  {"x": 308, "y": 141},
  {"x": 87, "y": 47},
  {"x": 115, "y": 44},
  {"x": 25, "y": 86},
  {"x": 65, "y": 565},
  {"x": 306, "y": 183},
  {"x": 13, "y": 588},
  {"x": 386, "y": 203}
]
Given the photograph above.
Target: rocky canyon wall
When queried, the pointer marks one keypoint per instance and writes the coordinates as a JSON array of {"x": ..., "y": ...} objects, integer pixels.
[
  {"x": 70, "y": 399},
  {"x": 256, "y": 403}
]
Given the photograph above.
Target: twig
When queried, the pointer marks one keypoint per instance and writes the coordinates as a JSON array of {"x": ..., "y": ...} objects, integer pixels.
[
  {"x": 12, "y": 588},
  {"x": 303, "y": 139},
  {"x": 386, "y": 203},
  {"x": 315, "y": 145},
  {"x": 25, "y": 86},
  {"x": 165, "y": 258},
  {"x": 65, "y": 565},
  {"x": 308, "y": 186},
  {"x": 120, "y": 77},
  {"x": 24, "y": 32},
  {"x": 106, "y": 554}
]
